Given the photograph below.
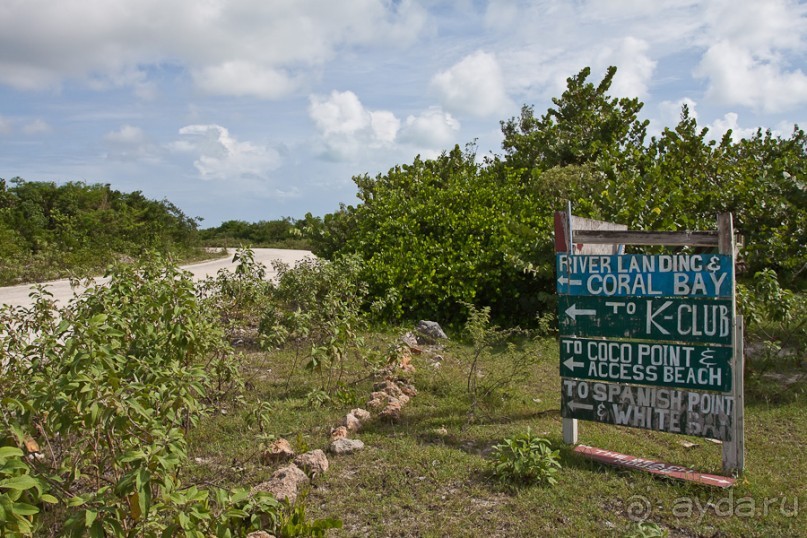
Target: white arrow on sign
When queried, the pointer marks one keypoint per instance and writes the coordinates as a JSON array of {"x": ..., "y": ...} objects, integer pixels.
[
  {"x": 571, "y": 364},
  {"x": 573, "y": 312},
  {"x": 574, "y": 406},
  {"x": 563, "y": 281}
]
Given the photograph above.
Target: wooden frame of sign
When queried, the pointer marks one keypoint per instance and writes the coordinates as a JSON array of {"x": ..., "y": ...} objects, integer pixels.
[{"x": 651, "y": 342}]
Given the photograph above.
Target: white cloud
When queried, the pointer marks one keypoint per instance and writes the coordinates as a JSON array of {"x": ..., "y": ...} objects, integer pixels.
[
  {"x": 634, "y": 67},
  {"x": 738, "y": 77},
  {"x": 242, "y": 78},
  {"x": 37, "y": 126},
  {"x": 130, "y": 143},
  {"x": 434, "y": 129},
  {"x": 222, "y": 157},
  {"x": 474, "y": 86},
  {"x": 670, "y": 111},
  {"x": 751, "y": 53},
  {"x": 127, "y": 134},
  {"x": 5, "y": 126},
  {"x": 347, "y": 127},
  {"x": 43, "y": 43},
  {"x": 720, "y": 126},
  {"x": 754, "y": 25}
]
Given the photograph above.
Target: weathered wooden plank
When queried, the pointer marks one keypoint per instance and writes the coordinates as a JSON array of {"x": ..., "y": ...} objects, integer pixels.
[
  {"x": 665, "y": 275},
  {"x": 702, "y": 414},
  {"x": 664, "y": 319},
  {"x": 688, "y": 474},
  {"x": 638, "y": 237},
  {"x": 647, "y": 363}
]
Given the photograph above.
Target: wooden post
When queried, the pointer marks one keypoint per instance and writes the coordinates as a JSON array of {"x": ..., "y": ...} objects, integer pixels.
[
  {"x": 734, "y": 450},
  {"x": 563, "y": 243}
]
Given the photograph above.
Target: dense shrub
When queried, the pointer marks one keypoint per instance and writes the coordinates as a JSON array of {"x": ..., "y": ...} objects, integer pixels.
[
  {"x": 96, "y": 399},
  {"x": 443, "y": 232},
  {"x": 48, "y": 231}
]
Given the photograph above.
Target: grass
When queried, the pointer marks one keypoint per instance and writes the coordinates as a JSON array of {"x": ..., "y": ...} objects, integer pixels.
[{"x": 427, "y": 475}]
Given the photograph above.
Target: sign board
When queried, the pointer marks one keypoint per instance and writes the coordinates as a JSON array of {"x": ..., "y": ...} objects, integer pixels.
[
  {"x": 693, "y": 275},
  {"x": 668, "y": 319},
  {"x": 702, "y": 414},
  {"x": 649, "y": 341},
  {"x": 687, "y": 366},
  {"x": 651, "y": 466}
]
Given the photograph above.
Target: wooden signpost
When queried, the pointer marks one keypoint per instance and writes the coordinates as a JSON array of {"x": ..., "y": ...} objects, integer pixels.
[{"x": 650, "y": 341}]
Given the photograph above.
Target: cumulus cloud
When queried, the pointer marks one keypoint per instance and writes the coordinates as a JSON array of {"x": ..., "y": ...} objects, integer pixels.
[
  {"x": 739, "y": 77},
  {"x": 130, "y": 143},
  {"x": 243, "y": 78},
  {"x": 433, "y": 129},
  {"x": 35, "y": 127},
  {"x": 634, "y": 67},
  {"x": 231, "y": 48},
  {"x": 720, "y": 126},
  {"x": 5, "y": 126},
  {"x": 670, "y": 111},
  {"x": 347, "y": 127},
  {"x": 475, "y": 86},
  {"x": 220, "y": 156},
  {"x": 749, "y": 53},
  {"x": 126, "y": 135}
]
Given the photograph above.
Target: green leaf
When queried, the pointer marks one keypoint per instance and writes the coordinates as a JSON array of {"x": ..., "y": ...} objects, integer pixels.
[
  {"x": 10, "y": 452},
  {"x": 24, "y": 509},
  {"x": 19, "y": 483},
  {"x": 89, "y": 517}
]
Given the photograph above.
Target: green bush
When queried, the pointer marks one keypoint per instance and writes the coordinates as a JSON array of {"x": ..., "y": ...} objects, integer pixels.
[
  {"x": 524, "y": 459},
  {"x": 99, "y": 394},
  {"x": 317, "y": 309}
]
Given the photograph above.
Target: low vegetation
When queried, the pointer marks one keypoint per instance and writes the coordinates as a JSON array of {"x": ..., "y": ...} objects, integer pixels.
[
  {"x": 144, "y": 407},
  {"x": 130, "y": 414},
  {"x": 280, "y": 233},
  {"x": 51, "y": 231}
]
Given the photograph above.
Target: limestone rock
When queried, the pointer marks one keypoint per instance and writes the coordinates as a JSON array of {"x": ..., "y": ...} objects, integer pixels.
[
  {"x": 284, "y": 483},
  {"x": 362, "y": 415},
  {"x": 377, "y": 404},
  {"x": 429, "y": 332},
  {"x": 351, "y": 423},
  {"x": 408, "y": 390},
  {"x": 260, "y": 534},
  {"x": 345, "y": 446},
  {"x": 314, "y": 463},
  {"x": 410, "y": 340},
  {"x": 279, "y": 450},
  {"x": 392, "y": 411},
  {"x": 389, "y": 387}
]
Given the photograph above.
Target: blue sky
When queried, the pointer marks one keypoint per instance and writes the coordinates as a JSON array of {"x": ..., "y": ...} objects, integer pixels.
[{"x": 258, "y": 109}]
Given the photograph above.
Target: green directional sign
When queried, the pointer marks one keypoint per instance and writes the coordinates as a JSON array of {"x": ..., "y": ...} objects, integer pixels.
[
  {"x": 704, "y": 414},
  {"x": 668, "y": 319},
  {"x": 686, "y": 366},
  {"x": 637, "y": 275}
]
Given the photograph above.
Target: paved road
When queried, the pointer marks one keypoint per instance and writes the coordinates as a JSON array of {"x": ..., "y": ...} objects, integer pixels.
[{"x": 18, "y": 295}]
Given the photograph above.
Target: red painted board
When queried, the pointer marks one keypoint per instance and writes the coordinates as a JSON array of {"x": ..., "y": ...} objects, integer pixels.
[{"x": 655, "y": 467}]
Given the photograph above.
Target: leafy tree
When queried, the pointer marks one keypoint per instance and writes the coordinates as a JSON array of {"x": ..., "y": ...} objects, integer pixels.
[
  {"x": 47, "y": 230},
  {"x": 442, "y": 232},
  {"x": 584, "y": 124}
]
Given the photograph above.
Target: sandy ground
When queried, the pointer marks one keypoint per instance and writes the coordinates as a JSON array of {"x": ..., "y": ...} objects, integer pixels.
[{"x": 18, "y": 295}]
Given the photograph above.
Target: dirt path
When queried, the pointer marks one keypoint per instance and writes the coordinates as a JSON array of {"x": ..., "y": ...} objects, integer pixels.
[{"x": 18, "y": 295}]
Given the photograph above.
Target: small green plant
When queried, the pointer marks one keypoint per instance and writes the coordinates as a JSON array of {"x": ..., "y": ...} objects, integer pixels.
[
  {"x": 317, "y": 398},
  {"x": 295, "y": 522},
  {"x": 524, "y": 459},
  {"x": 647, "y": 529},
  {"x": 346, "y": 397}
]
